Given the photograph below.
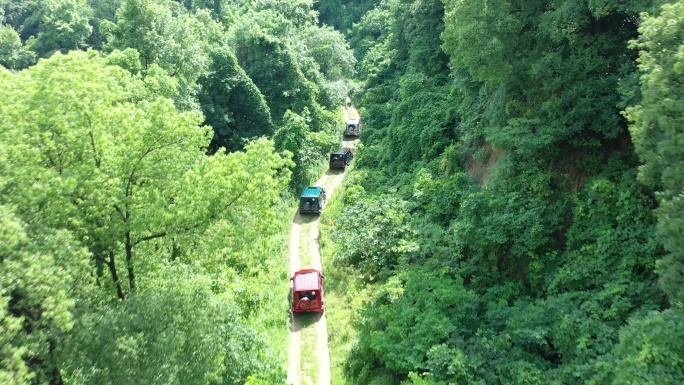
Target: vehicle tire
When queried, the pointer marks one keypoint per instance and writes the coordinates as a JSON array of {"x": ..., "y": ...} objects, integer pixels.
[{"x": 304, "y": 304}]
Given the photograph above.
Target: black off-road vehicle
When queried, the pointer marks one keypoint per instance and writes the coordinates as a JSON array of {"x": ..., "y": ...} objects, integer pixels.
[{"x": 341, "y": 158}]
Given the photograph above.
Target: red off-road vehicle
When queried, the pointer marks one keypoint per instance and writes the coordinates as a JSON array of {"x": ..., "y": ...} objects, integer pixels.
[{"x": 307, "y": 291}]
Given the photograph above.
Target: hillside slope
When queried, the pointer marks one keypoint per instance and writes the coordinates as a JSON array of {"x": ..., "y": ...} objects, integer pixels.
[{"x": 495, "y": 206}]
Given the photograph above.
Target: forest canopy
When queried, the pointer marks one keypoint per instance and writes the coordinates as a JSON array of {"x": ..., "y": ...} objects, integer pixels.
[
  {"x": 143, "y": 186},
  {"x": 111, "y": 187},
  {"x": 513, "y": 215},
  {"x": 519, "y": 191}
]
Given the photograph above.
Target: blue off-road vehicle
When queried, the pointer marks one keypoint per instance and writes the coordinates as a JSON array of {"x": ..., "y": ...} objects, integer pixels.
[{"x": 312, "y": 200}]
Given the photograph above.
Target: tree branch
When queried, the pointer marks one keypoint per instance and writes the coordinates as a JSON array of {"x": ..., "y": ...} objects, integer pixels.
[
  {"x": 100, "y": 257},
  {"x": 236, "y": 198},
  {"x": 129, "y": 188},
  {"x": 149, "y": 237},
  {"x": 92, "y": 142},
  {"x": 123, "y": 217},
  {"x": 152, "y": 148}
]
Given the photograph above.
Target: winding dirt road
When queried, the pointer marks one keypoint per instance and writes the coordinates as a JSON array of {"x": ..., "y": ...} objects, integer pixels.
[{"x": 297, "y": 374}]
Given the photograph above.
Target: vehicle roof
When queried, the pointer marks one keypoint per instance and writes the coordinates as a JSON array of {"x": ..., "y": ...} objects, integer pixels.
[
  {"x": 352, "y": 121},
  {"x": 311, "y": 192},
  {"x": 306, "y": 280},
  {"x": 341, "y": 151}
]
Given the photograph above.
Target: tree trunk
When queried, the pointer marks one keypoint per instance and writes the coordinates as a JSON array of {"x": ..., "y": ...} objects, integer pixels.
[
  {"x": 115, "y": 276},
  {"x": 129, "y": 261}
]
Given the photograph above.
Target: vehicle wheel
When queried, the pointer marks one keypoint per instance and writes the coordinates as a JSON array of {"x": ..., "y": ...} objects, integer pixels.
[{"x": 304, "y": 304}]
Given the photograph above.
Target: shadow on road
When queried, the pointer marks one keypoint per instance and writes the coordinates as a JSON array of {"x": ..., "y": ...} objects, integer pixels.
[
  {"x": 334, "y": 172},
  {"x": 309, "y": 218},
  {"x": 298, "y": 219},
  {"x": 296, "y": 325},
  {"x": 308, "y": 319},
  {"x": 303, "y": 320}
]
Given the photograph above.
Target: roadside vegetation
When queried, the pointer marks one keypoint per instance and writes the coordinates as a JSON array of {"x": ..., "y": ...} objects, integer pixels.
[
  {"x": 345, "y": 291},
  {"x": 513, "y": 216}
]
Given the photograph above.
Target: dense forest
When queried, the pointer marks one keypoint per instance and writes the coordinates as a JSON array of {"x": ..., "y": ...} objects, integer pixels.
[
  {"x": 148, "y": 154},
  {"x": 520, "y": 189},
  {"x": 515, "y": 214}
]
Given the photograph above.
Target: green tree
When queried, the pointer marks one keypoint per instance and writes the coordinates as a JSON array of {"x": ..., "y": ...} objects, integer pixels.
[
  {"x": 273, "y": 66},
  {"x": 343, "y": 15},
  {"x": 64, "y": 26},
  {"x": 42, "y": 271},
  {"x": 557, "y": 242},
  {"x": 127, "y": 231},
  {"x": 651, "y": 350},
  {"x": 657, "y": 131},
  {"x": 233, "y": 106},
  {"x": 173, "y": 331},
  {"x": 13, "y": 55},
  {"x": 167, "y": 36},
  {"x": 325, "y": 58},
  {"x": 224, "y": 11},
  {"x": 409, "y": 316},
  {"x": 298, "y": 12},
  {"x": 127, "y": 174},
  {"x": 144, "y": 26},
  {"x": 330, "y": 51},
  {"x": 18, "y": 13},
  {"x": 481, "y": 37},
  {"x": 296, "y": 136},
  {"x": 103, "y": 10},
  {"x": 377, "y": 246}
]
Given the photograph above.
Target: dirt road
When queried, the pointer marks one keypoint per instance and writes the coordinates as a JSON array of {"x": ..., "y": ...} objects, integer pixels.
[{"x": 297, "y": 373}]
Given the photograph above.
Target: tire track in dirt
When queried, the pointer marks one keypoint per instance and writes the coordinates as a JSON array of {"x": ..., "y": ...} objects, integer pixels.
[
  {"x": 330, "y": 180},
  {"x": 295, "y": 326},
  {"x": 322, "y": 351}
]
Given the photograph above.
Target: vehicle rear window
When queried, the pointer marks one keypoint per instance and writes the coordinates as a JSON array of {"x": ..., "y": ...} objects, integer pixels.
[{"x": 311, "y": 295}]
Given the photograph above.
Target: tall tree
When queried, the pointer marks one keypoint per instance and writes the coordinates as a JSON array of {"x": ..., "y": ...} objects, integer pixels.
[
  {"x": 173, "y": 39},
  {"x": 519, "y": 175},
  {"x": 64, "y": 26},
  {"x": 13, "y": 54},
  {"x": 658, "y": 130},
  {"x": 174, "y": 331},
  {"x": 128, "y": 175},
  {"x": 270, "y": 62},
  {"x": 42, "y": 272},
  {"x": 232, "y": 104}
]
